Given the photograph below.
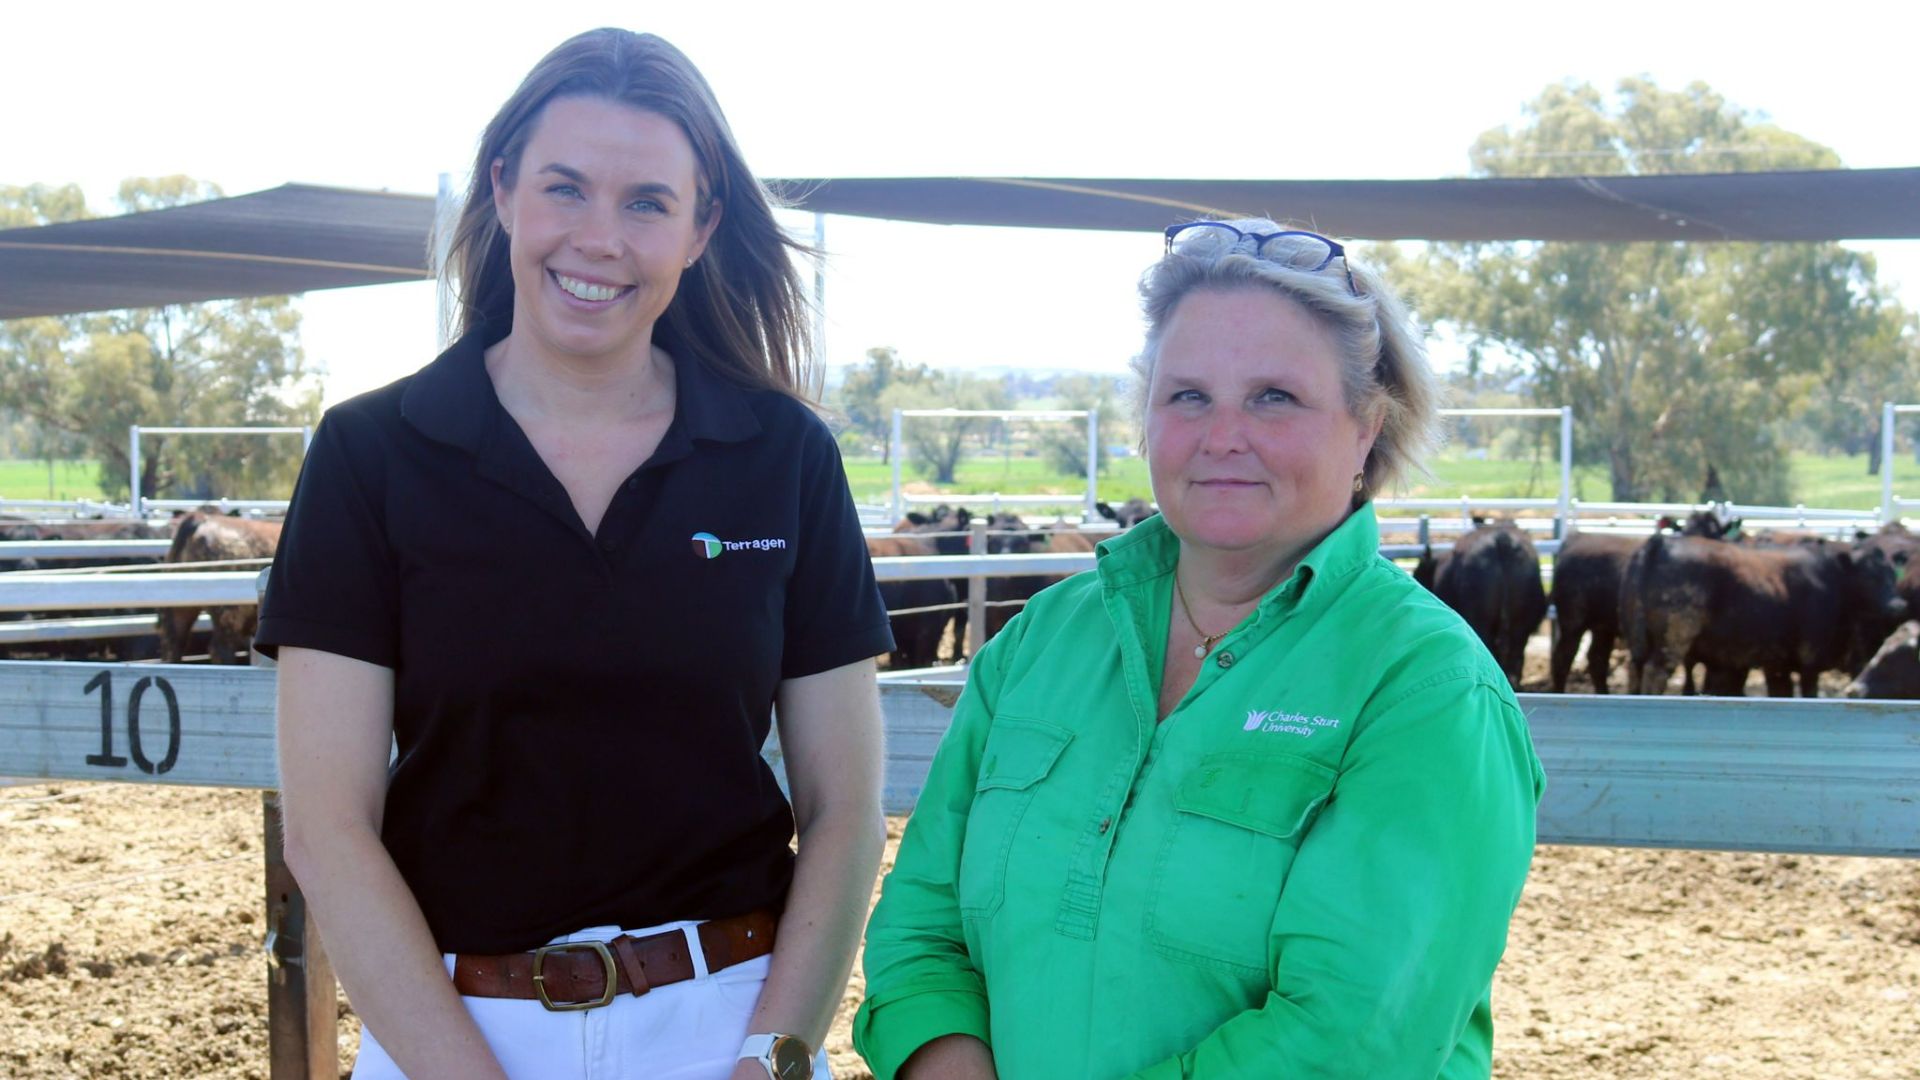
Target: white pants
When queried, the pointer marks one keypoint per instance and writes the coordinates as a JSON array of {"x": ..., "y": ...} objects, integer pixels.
[{"x": 688, "y": 1030}]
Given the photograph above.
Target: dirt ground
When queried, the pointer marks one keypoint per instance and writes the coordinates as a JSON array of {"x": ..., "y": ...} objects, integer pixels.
[{"x": 130, "y": 930}]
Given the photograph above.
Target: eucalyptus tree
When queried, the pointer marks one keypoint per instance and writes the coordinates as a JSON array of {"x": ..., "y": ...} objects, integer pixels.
[
  {"x": 1675, "y": 356},
  {"x": 224, "y": 363}
]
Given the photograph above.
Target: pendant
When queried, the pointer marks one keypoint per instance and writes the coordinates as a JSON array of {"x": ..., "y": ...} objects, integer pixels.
[{"x": 1199, "y": 652}]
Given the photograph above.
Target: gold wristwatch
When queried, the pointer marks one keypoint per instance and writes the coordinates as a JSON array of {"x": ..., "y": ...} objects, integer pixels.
[{"x": 785, "y": 1057}]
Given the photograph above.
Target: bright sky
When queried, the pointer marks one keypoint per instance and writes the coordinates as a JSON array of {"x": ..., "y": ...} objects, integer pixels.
[{"x": 389, "y": 96}]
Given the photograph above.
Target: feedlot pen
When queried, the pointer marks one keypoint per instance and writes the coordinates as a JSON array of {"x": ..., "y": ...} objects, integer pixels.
[{"x": 1794, "y": 775}]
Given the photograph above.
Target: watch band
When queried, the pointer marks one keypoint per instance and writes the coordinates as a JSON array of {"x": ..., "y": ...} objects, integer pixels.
[
  {"x": 758, "y": 1046},
  {"x": 771, "y": 1049}
]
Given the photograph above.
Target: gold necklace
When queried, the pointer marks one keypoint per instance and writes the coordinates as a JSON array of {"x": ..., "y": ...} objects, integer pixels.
[{"x": 1206, "y": 640}]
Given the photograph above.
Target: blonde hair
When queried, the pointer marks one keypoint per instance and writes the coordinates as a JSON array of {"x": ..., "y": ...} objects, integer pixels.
[{"x": 1383, "y": 372}]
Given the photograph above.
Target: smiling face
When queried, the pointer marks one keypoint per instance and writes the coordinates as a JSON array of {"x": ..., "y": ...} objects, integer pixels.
[
  {"x": 603, "y": 217},
  {"x": 1250, "y": 445}
]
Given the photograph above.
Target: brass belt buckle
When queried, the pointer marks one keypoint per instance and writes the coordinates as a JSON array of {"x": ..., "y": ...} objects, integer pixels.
[{"x": 540, "y": 985}]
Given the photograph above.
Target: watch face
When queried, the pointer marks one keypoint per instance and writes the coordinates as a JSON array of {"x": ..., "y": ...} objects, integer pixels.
[{"x": 791, "y": 1061}]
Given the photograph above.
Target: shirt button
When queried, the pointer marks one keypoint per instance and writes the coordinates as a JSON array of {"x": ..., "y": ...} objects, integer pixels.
[
  {"x": 608, "y": 544},
  {"x": 1225, "y": 660},
  {"x": 1105, "y": 824}
]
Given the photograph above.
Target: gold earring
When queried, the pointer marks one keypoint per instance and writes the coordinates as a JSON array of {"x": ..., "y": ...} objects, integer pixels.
[{"x": 1359, "y": 482}]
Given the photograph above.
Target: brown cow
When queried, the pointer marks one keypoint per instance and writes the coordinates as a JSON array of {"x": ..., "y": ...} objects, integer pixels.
[
  {"x": 1799, "y": 609},
  {"x": 205, "y": 537},
  {"x": 1894, "y": 671},
  {"x": 1061, "y": 536},
  {"x": 1008, "y": 534},
  {"x": 76, "y": 530},
  {"x": 916, "y": 634},
  {"x": 1902, "y": 549}
]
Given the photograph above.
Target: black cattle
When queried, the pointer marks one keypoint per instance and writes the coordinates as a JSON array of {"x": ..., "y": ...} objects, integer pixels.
[
  {"x": 1007, "y": 534},
  {"x": 78, "y": 530},
  {"x": 143, "y": 647},
  {"x": 1894, "y": 671},
  {"x": 1586, "y": 600},
  {"x": 944, "y": 527},
  {"x": 1798, "y": 609},
  {"x": 1127, "y": 514},
  {"x": 916, "y": 632},
  {"x": 1492, "y": 578}
]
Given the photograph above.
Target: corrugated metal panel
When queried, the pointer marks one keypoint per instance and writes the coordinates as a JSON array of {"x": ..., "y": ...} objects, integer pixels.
[{"x": 1821, "y": 777}]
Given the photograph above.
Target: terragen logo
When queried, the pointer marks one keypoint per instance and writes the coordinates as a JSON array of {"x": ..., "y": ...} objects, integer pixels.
[{"x": 708, "y": 546}]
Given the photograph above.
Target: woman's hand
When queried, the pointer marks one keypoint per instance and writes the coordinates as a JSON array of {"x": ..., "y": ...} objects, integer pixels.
[
  {"x": 830, "y": 739},
  {"x": 335, "y": 726},
  {"x": 950, "y": 1057}
]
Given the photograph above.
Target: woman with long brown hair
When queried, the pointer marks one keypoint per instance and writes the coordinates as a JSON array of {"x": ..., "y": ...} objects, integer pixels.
[{"x": 566, "y": 571}]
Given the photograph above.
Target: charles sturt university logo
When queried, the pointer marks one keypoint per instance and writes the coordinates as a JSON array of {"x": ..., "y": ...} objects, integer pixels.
[{"x": 708, "y": 546}]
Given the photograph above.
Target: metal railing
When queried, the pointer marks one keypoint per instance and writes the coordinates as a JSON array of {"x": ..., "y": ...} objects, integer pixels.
[
  {"x": 91, "y": 628},
  {"x": 1820, "y": 776},
  {"x": 83, "y": 549},
  {"x": 1890, "y": 506},
  {"x": 135, "y": 431},
  {"x": 897, "y": 447}
]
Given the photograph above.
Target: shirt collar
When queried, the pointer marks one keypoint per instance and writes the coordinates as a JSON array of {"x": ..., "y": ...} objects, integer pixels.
[
  {"x": 1149, "y": 550},
  {"x": 452, "y": 400}
]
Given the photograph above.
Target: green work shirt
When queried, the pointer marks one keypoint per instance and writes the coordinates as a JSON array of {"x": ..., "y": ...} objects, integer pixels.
[{"x": 1306, "y": 870}]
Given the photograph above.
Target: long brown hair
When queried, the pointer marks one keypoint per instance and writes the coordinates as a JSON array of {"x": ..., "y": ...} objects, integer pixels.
[{"x": 741, "y": 309}]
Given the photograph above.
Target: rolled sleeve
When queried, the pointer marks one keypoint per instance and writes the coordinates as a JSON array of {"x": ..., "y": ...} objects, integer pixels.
[
  {"x": 1396, "y": 911},
  {"x": 922, "y": 982},
  {"x": 333, "y": 586},
  {"x": 834, "y": 614}
]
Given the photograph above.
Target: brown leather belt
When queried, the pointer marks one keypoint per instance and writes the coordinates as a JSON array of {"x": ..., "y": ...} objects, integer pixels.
[{"x": 587, "y": 974}]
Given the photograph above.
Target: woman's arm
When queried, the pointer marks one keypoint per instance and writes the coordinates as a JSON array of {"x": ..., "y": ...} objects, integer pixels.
[
  {"x": 335, "y": 724},
  {"x": 830, "y": 738},
  {"x": 1395, "y": 912},
  {"x": 926, "y": 1009}
]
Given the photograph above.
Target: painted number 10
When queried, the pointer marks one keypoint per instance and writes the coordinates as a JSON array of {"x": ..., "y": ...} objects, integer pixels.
[{"x": 103, "y": 682}]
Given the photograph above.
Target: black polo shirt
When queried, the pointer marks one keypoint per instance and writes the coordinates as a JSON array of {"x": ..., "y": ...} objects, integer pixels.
[{"x": 578, "y": 716}]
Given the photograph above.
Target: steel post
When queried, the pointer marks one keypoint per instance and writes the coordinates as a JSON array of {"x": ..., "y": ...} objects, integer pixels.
[
  {"x": 1566, "y": 471},
  {"x": 977, "y": 592},
  {"x": 893, "y": 455},
  {"x": 133, "y": 469},
  {"x": 1088, "y": 514},
  {"x": 1888, "y": 511}
]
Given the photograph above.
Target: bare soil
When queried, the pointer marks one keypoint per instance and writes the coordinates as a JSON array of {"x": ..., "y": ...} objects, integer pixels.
[{"x": 131, "y": 923}]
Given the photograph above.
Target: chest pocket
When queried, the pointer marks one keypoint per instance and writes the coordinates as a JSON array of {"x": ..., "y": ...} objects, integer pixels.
[
  {"x": 1019, "y": 753},
  {"x": 1238, "y": 822}
]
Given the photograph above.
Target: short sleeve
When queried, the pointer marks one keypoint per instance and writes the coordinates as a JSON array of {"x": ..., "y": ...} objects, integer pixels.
[
  {"x": 333, "y": 586},
  {"x": 834, "y": 614}
]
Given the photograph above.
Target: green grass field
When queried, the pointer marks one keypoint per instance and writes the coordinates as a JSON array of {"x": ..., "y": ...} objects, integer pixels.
[
  {"x": 70, "y": 480},
  {"x": 1832, "y": 481}
]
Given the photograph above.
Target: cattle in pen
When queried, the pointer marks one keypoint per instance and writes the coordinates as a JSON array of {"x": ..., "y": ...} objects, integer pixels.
[
  {"x": 1795, "y": 610},
  {"x": 1492, "y": 578},
  {"x": 1586, "y": 601},
  {"x": 917, "y": 632},
  {"x": 1894, "y": 671},
  {"x": 210, "y": 537}
]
